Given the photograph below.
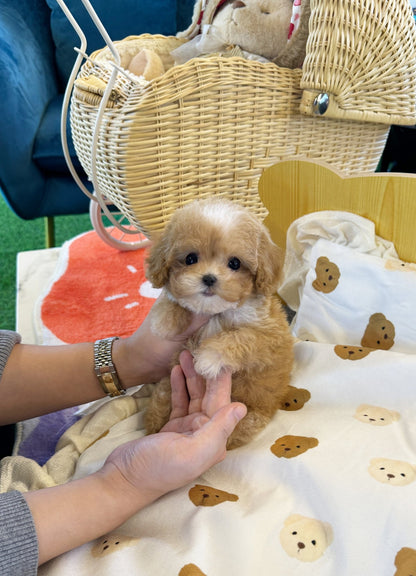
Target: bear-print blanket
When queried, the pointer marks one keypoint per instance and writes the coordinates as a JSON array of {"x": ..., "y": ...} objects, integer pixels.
[{"x": 329, "y": 487}]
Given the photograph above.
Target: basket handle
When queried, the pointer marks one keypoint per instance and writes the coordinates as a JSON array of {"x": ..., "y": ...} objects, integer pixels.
[
  {"x": 68, "y": 91},
  {"x": 102, "y": 30},
  {"x": 82, "y": 54}
]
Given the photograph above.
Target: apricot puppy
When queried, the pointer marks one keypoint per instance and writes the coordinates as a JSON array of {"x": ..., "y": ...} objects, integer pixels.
[{"x": 216, "y": 258}]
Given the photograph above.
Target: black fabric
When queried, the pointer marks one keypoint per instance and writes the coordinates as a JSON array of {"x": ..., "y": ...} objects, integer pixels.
[
  {"x": 7, "y": 438},
  {"x": 400, "y": 152}
]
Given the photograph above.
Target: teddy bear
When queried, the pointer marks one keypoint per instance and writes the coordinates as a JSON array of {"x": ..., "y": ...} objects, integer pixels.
[
  {"x": 405, "y": 562},
  {"x": 327, "y": 275},
  {"x": 208, "y": 496},
  {"x": 392, "y": 472},
  {"x": 305, "y": 539},
  {"x": 146, "y": 63},
  {"x": 379, "y": 333},
  {"x": 376, "y": 415},
  {"x": 264, "y": 30},
  {"x": 292, "y": 446}
]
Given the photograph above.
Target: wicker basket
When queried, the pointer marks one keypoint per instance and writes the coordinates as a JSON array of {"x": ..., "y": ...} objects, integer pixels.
[{"x": 211, "y": 126}]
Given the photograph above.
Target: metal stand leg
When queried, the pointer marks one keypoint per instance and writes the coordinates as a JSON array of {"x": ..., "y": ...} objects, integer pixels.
[{"x": 49, "y": 232}]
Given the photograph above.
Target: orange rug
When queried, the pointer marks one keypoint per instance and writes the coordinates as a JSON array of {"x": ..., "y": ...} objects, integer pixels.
[{"x": 97, "y": 292}]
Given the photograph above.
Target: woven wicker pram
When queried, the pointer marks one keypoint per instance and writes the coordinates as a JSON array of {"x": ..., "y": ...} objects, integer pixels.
[{"x": 212, "y": 125}]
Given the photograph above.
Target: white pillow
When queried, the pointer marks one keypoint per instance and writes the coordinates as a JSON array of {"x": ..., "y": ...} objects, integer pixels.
[{"x": 357, "y": 299}]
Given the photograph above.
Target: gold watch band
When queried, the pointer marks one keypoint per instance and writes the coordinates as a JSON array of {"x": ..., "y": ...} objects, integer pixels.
[{"x": 105, "y": 369}]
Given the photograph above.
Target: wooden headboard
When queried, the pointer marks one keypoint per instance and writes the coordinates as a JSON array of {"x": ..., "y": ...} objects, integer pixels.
[{"x": 293, "y": 188}]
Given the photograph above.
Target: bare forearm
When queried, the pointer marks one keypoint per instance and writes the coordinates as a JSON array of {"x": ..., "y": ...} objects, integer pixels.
[
  {"x": 41, "y": 379},
  {"x": 73, "y": 514}
]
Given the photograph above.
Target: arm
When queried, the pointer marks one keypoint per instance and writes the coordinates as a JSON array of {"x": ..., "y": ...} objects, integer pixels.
[
  {"x": 141, "y": 471},
  {"x": 18, "y": 542},
  {"x": 42, "y": 379}
]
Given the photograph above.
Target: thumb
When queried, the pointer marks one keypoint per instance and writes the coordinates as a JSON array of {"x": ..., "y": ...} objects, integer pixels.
[
  {"x": 224, "y": 421},
  {"x": 238, "y": 412},
  {"x": 211, "y": 438}
]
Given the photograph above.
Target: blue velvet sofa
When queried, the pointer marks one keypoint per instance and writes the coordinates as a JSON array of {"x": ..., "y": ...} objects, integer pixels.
[{"x": 36, "y": 58}]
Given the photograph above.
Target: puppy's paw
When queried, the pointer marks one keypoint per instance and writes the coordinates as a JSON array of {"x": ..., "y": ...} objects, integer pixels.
[{"x": 209, "y": 363}]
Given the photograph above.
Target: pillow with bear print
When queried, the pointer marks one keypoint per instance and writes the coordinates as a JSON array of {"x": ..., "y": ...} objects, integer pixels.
[{"x": 357, "y": 299}]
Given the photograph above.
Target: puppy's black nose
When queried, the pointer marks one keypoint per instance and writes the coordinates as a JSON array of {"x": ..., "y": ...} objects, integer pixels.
[{"x": 209, "y": 279}]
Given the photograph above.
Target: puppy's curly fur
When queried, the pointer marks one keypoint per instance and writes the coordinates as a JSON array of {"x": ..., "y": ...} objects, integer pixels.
[{"x": 216, "y": 258}]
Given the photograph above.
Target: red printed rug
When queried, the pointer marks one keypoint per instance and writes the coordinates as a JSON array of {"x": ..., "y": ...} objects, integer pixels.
[{"x": 97, "y": 291}]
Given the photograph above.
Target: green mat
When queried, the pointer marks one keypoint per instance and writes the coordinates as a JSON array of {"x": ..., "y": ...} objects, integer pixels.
[{"x": 17, "y": 235}]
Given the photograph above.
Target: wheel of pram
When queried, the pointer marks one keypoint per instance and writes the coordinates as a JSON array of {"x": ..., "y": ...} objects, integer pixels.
[{"x": 124, "y": 236}]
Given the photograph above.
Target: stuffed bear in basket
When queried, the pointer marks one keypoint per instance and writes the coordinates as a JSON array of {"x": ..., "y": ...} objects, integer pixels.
[{"x": 264, "y": 30}]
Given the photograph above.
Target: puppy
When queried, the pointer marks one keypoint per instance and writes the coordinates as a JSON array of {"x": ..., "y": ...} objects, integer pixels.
[{"x": 216, "y": 258}]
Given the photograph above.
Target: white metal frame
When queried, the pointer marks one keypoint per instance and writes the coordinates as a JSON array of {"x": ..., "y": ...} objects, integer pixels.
[{"x": 99, "y": 204}]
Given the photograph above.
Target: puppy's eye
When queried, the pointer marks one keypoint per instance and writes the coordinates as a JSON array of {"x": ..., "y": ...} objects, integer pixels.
[
  {"x": 192, "y": 258},
  {"x": 234, "y": 263}
]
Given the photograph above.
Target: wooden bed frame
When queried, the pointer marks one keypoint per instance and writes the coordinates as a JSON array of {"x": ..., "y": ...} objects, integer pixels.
[{"x": 293, "y": 188}]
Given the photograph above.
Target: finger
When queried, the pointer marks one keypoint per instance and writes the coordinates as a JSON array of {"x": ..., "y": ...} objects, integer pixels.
[
  {"x": 180, "y": 398},
  {"x": 213, "y": 435},
  {"x": 217, "y": 393},
  {"x": 185, "y": 424},
  {"x": 194, "y": 382},
  {"x": 187, "y": 363}
]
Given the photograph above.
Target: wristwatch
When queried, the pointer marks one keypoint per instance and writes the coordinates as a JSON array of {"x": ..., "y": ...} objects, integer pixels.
[{"x": 105, "y": 369}]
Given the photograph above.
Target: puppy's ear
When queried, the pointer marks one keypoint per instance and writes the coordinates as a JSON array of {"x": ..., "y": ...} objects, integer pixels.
[
  {"x": 269, "y": 265},
  {"x": 157, "y": 265}
]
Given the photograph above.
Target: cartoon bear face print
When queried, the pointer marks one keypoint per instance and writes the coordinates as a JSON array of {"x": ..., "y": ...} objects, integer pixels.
[
  {"x": 111, "y": 543},
  {"x": 305, "y": 539},
  {"x": 405, "y": 562},
  {"x": 208, "y": 496},
  {"x": 352, "y": 352},
  {"x": 376, "y": 415},
  {"x": 191, "y": 570},
  {"x": 379, "y": 333},
  {"x": 295, "y": 399},
  {"x": 292, "y": 446},
  {"x": 394, "y": 264},
  {"x": 327, "y": 275},
  {"x": 392, "y": 472}
]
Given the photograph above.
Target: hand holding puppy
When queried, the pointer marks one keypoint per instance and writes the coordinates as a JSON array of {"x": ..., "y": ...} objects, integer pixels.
[
  {"x": 139, "y": 472},
  {"x": 193, "y": 440}
]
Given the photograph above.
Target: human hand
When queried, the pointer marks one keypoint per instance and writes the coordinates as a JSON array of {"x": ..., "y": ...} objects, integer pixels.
[
  {"x": 195, "y": 401},
  {"x": 193, "y": 440},
  {"x": 145, "y": 356},
  {"x": 139, "y": 472}
]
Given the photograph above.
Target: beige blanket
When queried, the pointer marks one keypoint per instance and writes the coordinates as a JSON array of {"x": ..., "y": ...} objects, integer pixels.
[{"x": 23, "y": 474}]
